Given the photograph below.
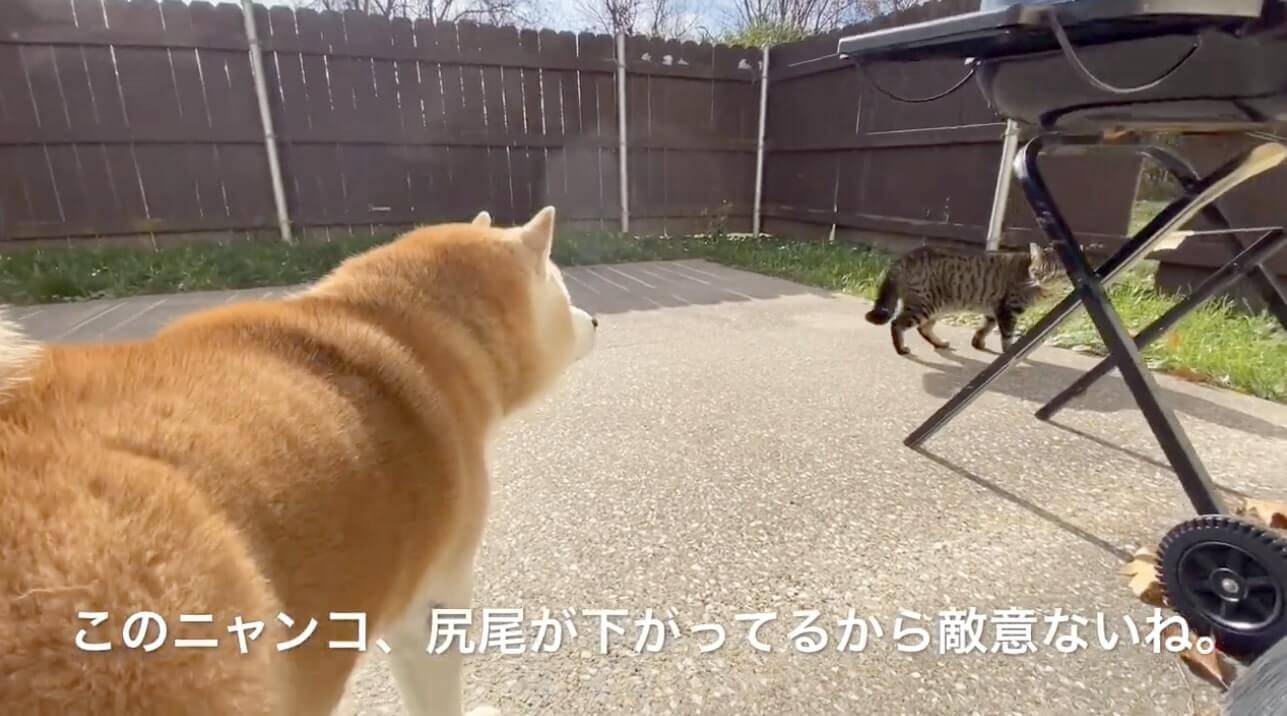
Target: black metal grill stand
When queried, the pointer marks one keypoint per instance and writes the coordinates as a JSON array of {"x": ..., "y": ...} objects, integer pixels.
[{"x": 1200, "y": 195}]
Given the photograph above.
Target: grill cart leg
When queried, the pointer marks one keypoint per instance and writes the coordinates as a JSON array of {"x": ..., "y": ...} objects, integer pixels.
[
  {"x": 1272, "y": 292},
  {"x": 1121, "y": 348},
  {"x": 1089, "y": 291},
  {"x": 1270, "y": 288},
  {"x": 1249, "y": 260}
]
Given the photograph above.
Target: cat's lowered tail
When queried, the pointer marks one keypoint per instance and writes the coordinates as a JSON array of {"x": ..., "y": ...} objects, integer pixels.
[{"x": 886, "y": 300}]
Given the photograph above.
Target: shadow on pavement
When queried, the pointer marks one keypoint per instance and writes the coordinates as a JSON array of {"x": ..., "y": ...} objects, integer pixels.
[
  {"x": 607, "y": 289},
  {"x": 1028, "y": 505},
  {"x": 1037, "y": 382}
]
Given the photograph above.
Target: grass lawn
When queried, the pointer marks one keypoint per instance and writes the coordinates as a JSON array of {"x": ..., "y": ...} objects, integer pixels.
[{"x": 1214, "y": 345}]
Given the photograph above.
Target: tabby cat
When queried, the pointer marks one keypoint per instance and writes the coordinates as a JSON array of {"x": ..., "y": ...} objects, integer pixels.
[{"x": 931, "y": 282}]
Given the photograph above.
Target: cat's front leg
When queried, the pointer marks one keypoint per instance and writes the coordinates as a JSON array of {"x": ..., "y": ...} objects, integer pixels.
[
  {"x": 980, "y": 336},
  {"x": 1007, "y": 321},
  {"x": 926, "y": 329}
]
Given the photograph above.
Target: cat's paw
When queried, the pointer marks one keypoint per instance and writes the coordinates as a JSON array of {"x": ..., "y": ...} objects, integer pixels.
[
  {"x": 979, "y": 345},
  {"x": 904, "y": 351},
  {"x": 483, "y": 711},
  {"x": 944, "y": 346}
]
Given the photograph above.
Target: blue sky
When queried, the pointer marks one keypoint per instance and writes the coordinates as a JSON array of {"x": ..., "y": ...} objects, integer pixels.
[{"x": 713, "y": 15}]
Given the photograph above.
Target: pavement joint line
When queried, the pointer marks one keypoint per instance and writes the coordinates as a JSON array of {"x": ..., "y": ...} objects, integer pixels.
[
  {"x": 89, "y": 319},
  {"x": 668, "y": 269},
  {"x": 137, "y": 315},
  {"x": 637, "y": 280},
  {"x": 574, "y": 278},
  {"x": 687, "y": 265},
  {"x": 623, "y": 288},
  {"x": 685, "y": 283},
  {"x": 23, "y": 315},
  {"x": 662, "y": 269}
]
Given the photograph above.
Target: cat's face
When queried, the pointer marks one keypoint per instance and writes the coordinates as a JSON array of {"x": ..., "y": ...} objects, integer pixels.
[{"x": 1044, "y": 266}]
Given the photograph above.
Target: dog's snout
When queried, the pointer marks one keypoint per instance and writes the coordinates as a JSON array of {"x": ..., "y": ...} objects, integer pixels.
[{"x": 594, "y": 321}]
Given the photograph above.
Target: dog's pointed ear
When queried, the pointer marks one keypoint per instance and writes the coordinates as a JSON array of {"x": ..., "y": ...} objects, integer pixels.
[
  {"x": 1034, "y": 251},
  {"x": 538, "y": 234},
  {"x": 483, "y": 219}
]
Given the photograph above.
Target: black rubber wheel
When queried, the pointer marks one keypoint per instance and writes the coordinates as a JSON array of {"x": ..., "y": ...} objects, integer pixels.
[{"x": 1228, "y": 578}]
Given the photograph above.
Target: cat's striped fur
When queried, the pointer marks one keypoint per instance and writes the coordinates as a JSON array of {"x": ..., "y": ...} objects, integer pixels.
[{"x": 931, "y": 282}]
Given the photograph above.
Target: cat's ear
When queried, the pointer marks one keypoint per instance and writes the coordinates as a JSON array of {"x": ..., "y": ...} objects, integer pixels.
[{"x": 1034, "y": 252}]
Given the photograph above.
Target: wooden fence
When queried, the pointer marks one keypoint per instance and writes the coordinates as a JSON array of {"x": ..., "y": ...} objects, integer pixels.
[
  {"x": 127, "y": 119},
  {"x": 843, "y": 154},
  {"x": 138, "y": 119},
  {"x": 864, "y": 161}
]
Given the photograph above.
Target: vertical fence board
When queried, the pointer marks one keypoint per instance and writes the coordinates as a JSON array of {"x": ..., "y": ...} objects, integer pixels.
[
  {"x": 317, "y": 117},
  {"x": 289, "y": 94},
  {"x": 18, "y": 113},
  {"x": 99, "y": 189},
  {"x": 473, "y": 117},
  {"x": 512, "y": 87},
  {"x": 530, "y": 43},
  {"x": 602, "y": 49},
  {"x": 383, "y": 75},
  {"x": 337, "y": 72},
  {"x": 472, "y": 163},
  {"x": 408, "y": 118},
  {"x": 639, "y": 97},
  {"x": 492, "y": 42},
  {"x": 247, "y": 184},
  {"x": 129, "y": 195},
  {"x": 33, "y": 200}
]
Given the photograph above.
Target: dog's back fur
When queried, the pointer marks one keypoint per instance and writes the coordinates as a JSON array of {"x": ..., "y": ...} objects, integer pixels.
[{"x": 323, "y": 453}]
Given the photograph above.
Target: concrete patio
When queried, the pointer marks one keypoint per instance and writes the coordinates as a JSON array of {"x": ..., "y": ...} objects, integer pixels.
[{"x": 734, "y": 447}]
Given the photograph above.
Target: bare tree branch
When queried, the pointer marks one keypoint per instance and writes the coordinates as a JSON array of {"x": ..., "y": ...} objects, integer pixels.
[
  {"x": 790, "y": 18},
  {"x": 495, "y": 12},
  {"x": 874, "y": 8},
  {"x": 658, "y": 18},
  {"x": 771, "y": 21}
]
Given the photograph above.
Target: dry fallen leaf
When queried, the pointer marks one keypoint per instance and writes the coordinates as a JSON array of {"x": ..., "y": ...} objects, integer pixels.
[
  {"x": 1213, "y": 668},
  {"x": 1142, "y": 569},
  {"x": 1191, "y": 376},
  {"x": 1267, "y": 512}
]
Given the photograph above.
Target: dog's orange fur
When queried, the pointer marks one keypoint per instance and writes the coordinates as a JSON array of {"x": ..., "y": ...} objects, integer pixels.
[{"x": 304, "y": 456}]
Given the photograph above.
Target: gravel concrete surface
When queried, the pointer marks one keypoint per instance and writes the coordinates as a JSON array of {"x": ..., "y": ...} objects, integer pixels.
[{"x": 734, "y": 447}]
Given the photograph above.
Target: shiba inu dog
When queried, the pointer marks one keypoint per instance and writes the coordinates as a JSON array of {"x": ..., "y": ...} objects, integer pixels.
[{"x": 272, "y": 479}]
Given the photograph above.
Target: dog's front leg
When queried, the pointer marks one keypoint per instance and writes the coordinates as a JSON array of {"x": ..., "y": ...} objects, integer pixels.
[{"x": 430, "y": 683}]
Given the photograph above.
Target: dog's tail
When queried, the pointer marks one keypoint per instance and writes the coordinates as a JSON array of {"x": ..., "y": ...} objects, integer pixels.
[
  {"x": 16, "y": 351},
  {"x": 886, "y": 300}
]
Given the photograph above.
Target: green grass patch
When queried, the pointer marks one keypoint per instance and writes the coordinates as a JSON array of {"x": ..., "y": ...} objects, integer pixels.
[
  {"x": 53, "y": 275},
  {"x": 837, "y": 267},
  {"x": 1142, "y": 212},
  {"x": 1215, "y": 344}
]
